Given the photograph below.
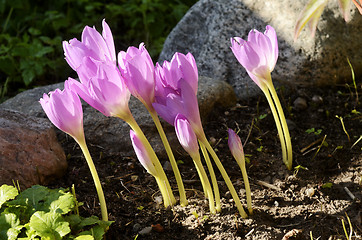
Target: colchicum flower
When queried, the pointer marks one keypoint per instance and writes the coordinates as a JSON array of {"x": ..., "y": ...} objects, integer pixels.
[
  {"x": 142, "y": 154},
  {"x": 188, "y": 141},
  {"x": 176, "y": 89},
  {"x": 98, "y": 47},
  {"x": 258, "y": 55},
  {"x": 64, "y": 110},
  {"x": 237, "y": 151},
  {"x": 102, "y": 86},
  {"x": 175, "y": 93},
  {"x": 138, "y": 70}
]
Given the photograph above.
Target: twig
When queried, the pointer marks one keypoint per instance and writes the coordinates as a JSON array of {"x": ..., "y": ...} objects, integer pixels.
[
  {"x": 310, "y": 145},
  {"x": 350, "y": 194},
  {"x": 268, "y": 185}
]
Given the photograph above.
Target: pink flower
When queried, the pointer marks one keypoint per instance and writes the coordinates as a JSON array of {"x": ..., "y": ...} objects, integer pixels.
[
  {"x": 176, "y": 89},
  {"x": 93, "y": 44},
  {"x": 180, "y": 67},
  {"x": 258, "y": 55},
  {"x": 64, "y": 110},
  {"x": 142, "y": 154},
  {"x": 186, "y": 136},
  {"x": 138, "y": 71},
  {"x": 102, "y": 87},
  {"x": 235, "y": 145}
]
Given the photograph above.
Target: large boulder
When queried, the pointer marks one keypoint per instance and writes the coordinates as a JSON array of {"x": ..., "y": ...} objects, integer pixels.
[
  {"x": 29, "y": 150},
  {"x": 112, "y": 134},
  {"x": 207, "y": 27}
]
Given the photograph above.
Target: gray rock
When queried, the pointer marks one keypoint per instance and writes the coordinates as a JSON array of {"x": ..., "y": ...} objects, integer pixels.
[
  {"x": 207, "y": 27},
  {"x": 112, "y": 134},
  {"x": 29, "y": 150}
]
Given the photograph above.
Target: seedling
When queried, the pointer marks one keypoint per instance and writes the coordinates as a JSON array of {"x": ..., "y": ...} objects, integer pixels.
[
  {"x": 297, "y": 168},
  {"x": 353, "y": 79},
  {"x": 324, "y": 143},
  {"x": 344, "y": 129},
  {"x": 312, "y": 130},
  {"x": 359, "y": 139}
]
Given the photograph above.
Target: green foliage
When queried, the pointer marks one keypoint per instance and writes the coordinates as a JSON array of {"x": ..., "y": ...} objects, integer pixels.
[
  {"x": 312, "y": 130},
  {"x": 42, "y": 213},
  {"x": 32, "y": 31}
]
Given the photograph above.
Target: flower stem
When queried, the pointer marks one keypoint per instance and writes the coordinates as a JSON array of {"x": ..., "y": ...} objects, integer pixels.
[
  {"x": 95, "y": 177},
  {"x": 266, "y": 92},
  {"x": 166, "y": 144},
  {"x": 226, "y": 178},
  {"x": 205, "y": 183},
  {"x": 165, "y": 187},
  {"x": 242, "y": 166},
  {"x": 213, "y": 177},
  {"x": 284, "y": 124}
]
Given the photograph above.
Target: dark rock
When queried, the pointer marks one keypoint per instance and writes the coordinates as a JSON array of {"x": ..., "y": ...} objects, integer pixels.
[
  {"x": 300, "y": 103},
  {"x": 207, "y": 27},
  {"x": 112, "y": 134},
  {"x": 29, "y": 150}
]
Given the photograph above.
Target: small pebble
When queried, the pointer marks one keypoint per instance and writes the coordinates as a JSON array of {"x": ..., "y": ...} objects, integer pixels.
[
  {"x": 300, "y": 103},
  {"x": 309, "y": 192},
  {"x": 145, "y": 231},
  {"x": 136, "y": 227},
  {"x": 158, "y": 199},
  {"x": 167, "y": 166},
  {"x": 317, "y": 99}
]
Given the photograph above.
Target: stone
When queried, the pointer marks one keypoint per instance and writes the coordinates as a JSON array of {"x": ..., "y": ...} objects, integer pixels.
[
  {"x": 300, "y": 103},
  {"x": 112, "y": 134},
  {"x": 29, "y": 150},
  {"x": 207, "y": 27}
]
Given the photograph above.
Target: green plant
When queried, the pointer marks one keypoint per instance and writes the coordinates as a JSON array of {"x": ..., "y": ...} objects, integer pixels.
[
  {"x": 43, "y": 213},
  {"x": 312, "y": 130},
  {"x": 31, "y": 33}
]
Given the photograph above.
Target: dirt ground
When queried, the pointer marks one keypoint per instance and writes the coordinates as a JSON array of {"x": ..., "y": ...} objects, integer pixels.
[{"x": 313, "y": 199}]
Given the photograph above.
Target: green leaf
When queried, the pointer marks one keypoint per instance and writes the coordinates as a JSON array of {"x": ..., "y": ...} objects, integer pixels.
[
  {"x": 84, "y": 237},
  {"x": 9, "y": 226},
  {"x": 63, "y": 205},
  {"x": 49, "y": 225},
  {"x": 6, "y": 193},
  {"x": 96, "y": 232},
  {"x": 311, "y": 13},
  {"x": 327, "y": 185}
]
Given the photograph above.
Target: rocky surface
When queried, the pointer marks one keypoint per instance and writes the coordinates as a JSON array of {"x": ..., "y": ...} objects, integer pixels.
[
  {"x": 29, "y": 150},
  {"x": 111, "y": 135},
  {"x": 206, "y": 29}
]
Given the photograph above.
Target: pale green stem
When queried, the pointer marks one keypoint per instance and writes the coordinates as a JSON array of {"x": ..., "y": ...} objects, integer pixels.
[
  {"x": 213, "y": 177},
  {"x": 284, "y": 125},
  {"x": 277, "y": 123},
  {"x": 95, "y": 177},
  {"x": 166, "y": 144},
  {"x": 226, "y": 178},
  {"x": 165, "y": 187},
  {"x": 241, "y": 163},
  {"x": 205, "y": 183}
]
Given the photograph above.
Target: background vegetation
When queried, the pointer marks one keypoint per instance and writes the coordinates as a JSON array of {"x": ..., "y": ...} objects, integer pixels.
[{"x": 31, "y": 32}]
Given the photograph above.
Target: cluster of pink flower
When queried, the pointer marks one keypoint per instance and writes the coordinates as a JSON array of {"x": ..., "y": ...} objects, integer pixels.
[{"x": 168, "y": 91}]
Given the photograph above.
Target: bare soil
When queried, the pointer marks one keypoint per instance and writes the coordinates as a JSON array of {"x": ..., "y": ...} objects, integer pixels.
[{"x": 313, "y": 199}]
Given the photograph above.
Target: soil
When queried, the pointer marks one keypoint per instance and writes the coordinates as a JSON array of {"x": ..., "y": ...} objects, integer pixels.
[{"x": 312, "y": 200}]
